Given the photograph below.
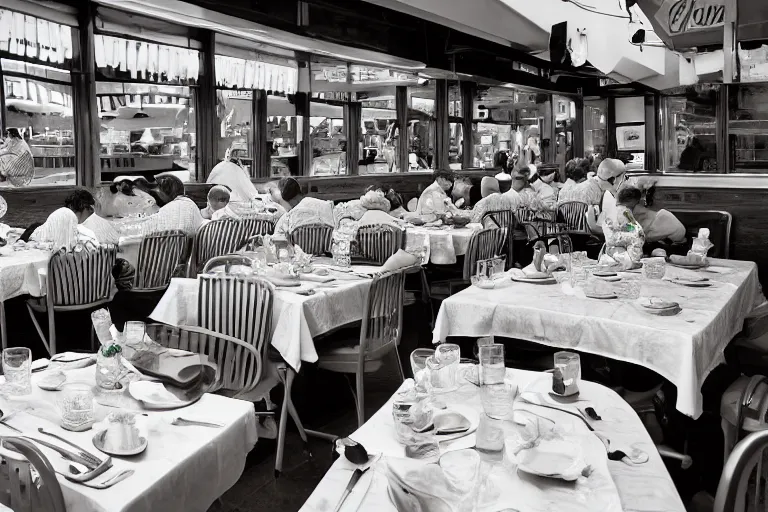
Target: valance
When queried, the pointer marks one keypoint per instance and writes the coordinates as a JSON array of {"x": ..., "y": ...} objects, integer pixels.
[
  {"x": 34, "y": 38},
  {"x": 139, "y": 60},
  {"x": 251, "y": 74}
]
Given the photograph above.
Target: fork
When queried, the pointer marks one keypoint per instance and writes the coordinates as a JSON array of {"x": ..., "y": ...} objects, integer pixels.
[
  {"x": 109, "y": 482},
  {"x": 181, "y": 422}
]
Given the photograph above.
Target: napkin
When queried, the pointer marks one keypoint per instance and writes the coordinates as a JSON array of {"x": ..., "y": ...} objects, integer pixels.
[
  {"x": 316, "y": 278},
  {"x": 61, "y": 361},
  {"x": 401, "y": 259}
]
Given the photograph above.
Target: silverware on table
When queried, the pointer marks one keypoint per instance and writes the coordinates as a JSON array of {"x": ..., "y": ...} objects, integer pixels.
[
  {"x": 109, "y": 482},
  {"x": 80, "y": 457},
  {"x": 188, "y": 423},
  {"x": 85, "y": 453},
  {"x": 351, "y": 485}
]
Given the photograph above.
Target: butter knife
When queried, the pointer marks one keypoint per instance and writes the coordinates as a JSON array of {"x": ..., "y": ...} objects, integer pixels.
[{"x": 351, "y": 485}]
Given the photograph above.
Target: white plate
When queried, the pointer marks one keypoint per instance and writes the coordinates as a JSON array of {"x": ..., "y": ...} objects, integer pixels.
[
  {"x": 153, "y": 395},
  {"x": 535, "y": 280},
  {"x": 553, "y": 458},
  {"x": 471, "y": 414},
  {"x": 601, "y": 296},
  {"x": 692, "y": 284}
]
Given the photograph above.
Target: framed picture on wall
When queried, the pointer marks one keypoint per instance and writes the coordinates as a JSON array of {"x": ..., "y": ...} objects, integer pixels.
[{"x": 630, "y": 138}]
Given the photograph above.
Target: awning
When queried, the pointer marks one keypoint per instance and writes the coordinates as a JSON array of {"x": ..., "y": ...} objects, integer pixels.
[
  {"x": 183, "y": 13},
  {"x": 686, "y": 24}
]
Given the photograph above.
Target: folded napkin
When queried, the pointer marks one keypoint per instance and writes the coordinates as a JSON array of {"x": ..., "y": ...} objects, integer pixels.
[
  {"x": 401, "y": 259},
  {"x": 529, "y": 272},
  {"x": 65, "y": 361},
  {"x": 314, "y": 278}
]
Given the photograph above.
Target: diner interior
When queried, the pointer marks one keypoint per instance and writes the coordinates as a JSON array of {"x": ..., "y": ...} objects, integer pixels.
[{"x": 391, "y": 255}]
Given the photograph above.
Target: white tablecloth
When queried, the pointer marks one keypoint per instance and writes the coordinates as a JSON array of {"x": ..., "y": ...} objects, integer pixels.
[
  {"x": 296, "y": 319},
  {"x": 682, "y": 348},
  {"x": 183, "y": 469},
  {"x": 643, "y": 487},
  {"x": 442, "y": 244},
  {"x": 19, "y": 273}
]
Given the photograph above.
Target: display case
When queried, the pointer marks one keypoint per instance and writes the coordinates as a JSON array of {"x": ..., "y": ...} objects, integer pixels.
[
  {"x": 748, "y": 128},
  {"x": 689, "y": 131}
]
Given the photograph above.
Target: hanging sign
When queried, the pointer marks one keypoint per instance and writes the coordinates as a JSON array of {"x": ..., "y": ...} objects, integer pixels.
[{"x": 680, "y": 16}]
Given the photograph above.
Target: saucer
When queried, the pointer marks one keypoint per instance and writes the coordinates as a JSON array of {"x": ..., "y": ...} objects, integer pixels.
[{"x": 98, "y": 442}]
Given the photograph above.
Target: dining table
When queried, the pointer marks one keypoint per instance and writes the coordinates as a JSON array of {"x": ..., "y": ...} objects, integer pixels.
[
  {"x": 20, "y": 275},
  {"x": 183, "y": 468},
  {"x": 299, "y": 313},
  {"x": 439, "y": 245},
  {"x": 639, "y": 482},
  {"x": 683, "y": 348}
]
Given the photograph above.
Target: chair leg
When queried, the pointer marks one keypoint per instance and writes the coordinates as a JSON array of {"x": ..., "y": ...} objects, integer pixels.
[
  {"x": 39, "y": 329},
  {"x": 360, "y": 398},
  {"x": 52, "y": 329},
  {"x": 399, "y": 363},
  {"x": 287, "y": 382}
]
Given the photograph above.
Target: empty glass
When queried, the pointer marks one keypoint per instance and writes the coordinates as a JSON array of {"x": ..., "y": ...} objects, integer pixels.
[
  {"x": 418, "y": 367},
  {"x": 76, "y": 406},
  {"x": 497, "y": 399},
  {"x": 490, "y": 435},
  {"x": 654, "y": 268},
  {"x": 567, "y": 373},
  {"x": 17, "y": 367},
  {"x": 443, "y": 367},
  {"x": 628, "y": 288},
  {"x": 134, "y": 332}
]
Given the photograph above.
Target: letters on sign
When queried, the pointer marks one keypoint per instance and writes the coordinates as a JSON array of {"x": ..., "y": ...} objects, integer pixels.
[{"x": 679, "y": 16}]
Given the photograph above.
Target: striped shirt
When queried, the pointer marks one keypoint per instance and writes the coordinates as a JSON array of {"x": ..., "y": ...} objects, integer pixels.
[
  {"x": 309, "y": 211},
  {"x": 494, "y": 202},
  {"x": 182, "y": 213},
  {"x": 103, "y": 230},
  {"x": 588, "y": 191}
]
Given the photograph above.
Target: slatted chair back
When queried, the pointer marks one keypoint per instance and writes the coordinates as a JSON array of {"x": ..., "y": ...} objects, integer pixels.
[
  {"x": 376, "y": 243},
  {"x": 159, "y": 256},
  {"x": 80, "y": 278},
  {"x": 216, "y": 238},
  {"x": 227, "y": 262},
  {"x": 742, "y": 484},
  {"x": 312, "y": 238},
  {"x": 235, "y": 306},
  {"x": 502, "y": 218},
  {"x": 573, "y": 215},
  {"x": 382, "y": 316},
  {"x": 485, "y": 244},
  {"x": 253, "y": 226},
  {"x": 22, "y": 491},
  {"x": 238, "y": 364}
]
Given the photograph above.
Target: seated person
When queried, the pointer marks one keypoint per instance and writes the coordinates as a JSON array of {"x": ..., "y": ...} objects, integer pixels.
[
  {"x": 218, "y": 201},
  {"x": 16, "y": 163},
  {"x": 82, "y": 203},
  {"x": 493, "y": 200},
  {"x": 461, "y": 193},
  {"x": 60, "y": 229},
  {"x": 623, "y": 233},
  {"x": 591, "y": 190},
  {"x": 177, "y": 212},
  {"x": 434, "y": 199},
  {"x": 373, "y": 199},
  {"x": 575, "y": 172},
  {"x": 301, "y": 210},
  {"x": 230, "y": 174},
  {"x": 546, "y": 197},
  {"x": 396, "y": 206},
  {"x": 659, "y": 225},
  {"x": 126, "y": 197}
]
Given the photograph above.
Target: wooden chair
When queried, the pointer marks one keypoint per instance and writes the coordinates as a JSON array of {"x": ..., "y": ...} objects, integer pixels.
[
  {"x": 159, "y": 256},
  {"x": 312, "y": 238},
  {"x": 238, "y": 364},
  {"x": 747, "y": 463},
  {"x": 242, "y": 308},
  {"x": 76, "y": 281},
  {"x": 719, "y": 225},
  {"x": 375, "y": 244},
  {"x": 485, "y": 244},
  {"x": 20, "y": 488},
  {"x": 216, "y": 238},
  {"x": 379, "y": 335}
]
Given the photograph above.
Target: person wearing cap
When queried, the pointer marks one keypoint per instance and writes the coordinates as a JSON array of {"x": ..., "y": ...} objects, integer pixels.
[
  {"x": 492, "y": 199},
  {"x": 301, "y": 210},
  {"x": 435, "y": 199},
  {"x": 505, "y": 181},
  {"x": 591, "y": 191}
]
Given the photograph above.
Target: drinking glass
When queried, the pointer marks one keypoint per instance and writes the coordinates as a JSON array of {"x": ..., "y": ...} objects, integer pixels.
[
  {"x": 497, "y": 399},
  {"x": 569, "y": 366},
  {"x": 490, "y": 435},
  {"x": 419, "y": 360},
  {"x": 134, "y": 332},
  {"x": 654, "y": 268},
  {"x": 492, "y": 369},
  {"x": 76, "y": 406},
  {"x": 17, "y": 367},
  {"x": 628, "y": 288}
]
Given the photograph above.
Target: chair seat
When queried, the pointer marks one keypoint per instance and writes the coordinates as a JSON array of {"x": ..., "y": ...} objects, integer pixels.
[
  {"x": 342, "y": 357},
  {"x": 729, "y": 405}
]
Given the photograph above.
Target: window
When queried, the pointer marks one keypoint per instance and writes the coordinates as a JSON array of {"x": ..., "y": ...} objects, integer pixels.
[
  {"x": 146, "y": 97},
  {"x": 689, "y": 142},
  {"x": 747, "y": 123},
  {"x": 594, "y": 127},
  {"x": 421, "y": 127},
  {"x": 328, "y": 139},
  {"x": 284, "y": 130},
  {"x": 234, "y": 110},
  {"x": 565, "y": 117},
  {"x": 380, "y": 136},
  {"x": 38, "y": 102}
]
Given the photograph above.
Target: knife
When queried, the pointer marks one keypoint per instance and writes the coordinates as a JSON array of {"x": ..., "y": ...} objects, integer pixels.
[
  {"x": 75, "y": 457},
  {"x": 351, "y": 485}
]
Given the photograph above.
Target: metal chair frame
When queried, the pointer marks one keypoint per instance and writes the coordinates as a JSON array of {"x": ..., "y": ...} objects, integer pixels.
[
  {"x": 19, "y": 489},
  {"x": 748, "y": 455}
]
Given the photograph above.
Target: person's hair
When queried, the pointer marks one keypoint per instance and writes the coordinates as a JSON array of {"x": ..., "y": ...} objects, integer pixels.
[
  {"x": 168, "y": 188},
  {"x": 218, "y": 191},
  {"x": 395, "y": 199},
  {"x": 13, "y": 133},
  {"x": 577, "y": 169},
  {"x": 289, "y": 188},
  {"x": 628, "y": 194},
  {"x": 375, "y": 186},
  {"x": 445, "y": 174},
  {"x": 80, "y": 200},
  {"x": 649, "y": 194}
]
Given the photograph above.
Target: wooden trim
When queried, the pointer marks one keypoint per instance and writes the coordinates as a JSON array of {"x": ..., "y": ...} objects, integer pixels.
[
  {"x": 442, "y": 129},
  {"x": 3, "y": 116},
  {"x": 305, "y": 146},
  {"x": 610, "y": 128},
  {"x": 87, "y": 125},
  {"x": 205, "y": 104},
  {"x": 722, "y": 139},
  {"x": 578, "y": 130},
  {"x": 401, "y": 107},
  {"x": 260, "y": 166},
  {"x": 352, "y": 112},
  {"x": 651, "y": 131},
  {"x": 467, "y": 113}
]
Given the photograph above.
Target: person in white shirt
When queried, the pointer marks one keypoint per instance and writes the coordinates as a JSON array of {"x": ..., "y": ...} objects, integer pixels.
[
  {"x": 433, "y": 199},
  {"x": 301, "y": 210},
  {"x": 83, "y": 204},
  {"x": 177, "y": 212},
  {"x": 234, "y": 177},
  {"x": 218, "y": 204}
]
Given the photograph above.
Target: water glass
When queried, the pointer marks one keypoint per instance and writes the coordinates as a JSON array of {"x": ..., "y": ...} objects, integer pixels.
[
  {"x": 654, "y": 268},
  {"x": 17, "y": 367},
  {"x": 497, "y": 399},
  {"x": 568, "y": 368},
  {"x": 492, "y": 368},
  {"x": 401, "y": 418},
  {"x": 418, "y": 367},
  {"x": 490, "y": 435},
  {"x": 134, "y": 332},
  {"x": 76, "y": 406},
  {"x": 628, "y": 288}
]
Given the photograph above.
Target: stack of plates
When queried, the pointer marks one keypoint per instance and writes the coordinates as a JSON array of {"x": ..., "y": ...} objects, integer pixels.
[
  {"x": 535, "y": 278},
  {"x": 660, "y": 307}
]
